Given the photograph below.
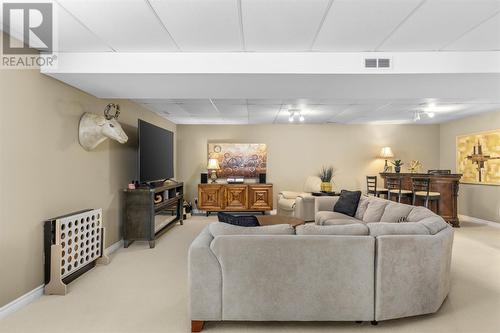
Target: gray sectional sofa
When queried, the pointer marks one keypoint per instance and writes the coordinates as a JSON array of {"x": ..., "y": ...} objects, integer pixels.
[{"x": 363, "y": 268}]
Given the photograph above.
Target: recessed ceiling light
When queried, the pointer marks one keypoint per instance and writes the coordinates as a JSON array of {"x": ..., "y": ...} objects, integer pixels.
[
  {"x": 301, "y": 118},
  {"x": 430, "y": 114}
]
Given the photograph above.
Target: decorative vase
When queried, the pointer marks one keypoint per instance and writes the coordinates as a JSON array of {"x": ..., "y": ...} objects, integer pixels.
[
  {"x": 397, "y": 169},
  {"x": 326, "y": 187}
]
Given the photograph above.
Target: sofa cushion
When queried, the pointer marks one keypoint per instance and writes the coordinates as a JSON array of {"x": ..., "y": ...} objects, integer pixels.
[
  {"x": 341, "y": 221},
  {"x": 375, "y": 210},
  {"x": 347, "y": 203},
  {"x": 419, "y": 213},
  {"x": 434, "y": 224},
  {"x": 385, "y": 228},
  {"x": 358, "y": 229},
  {"x": 362, "y": 206},
  {"x": 322, "y": 216},
  {"x": 394, "y": 211},
  {"x": 220, "y": 228}
]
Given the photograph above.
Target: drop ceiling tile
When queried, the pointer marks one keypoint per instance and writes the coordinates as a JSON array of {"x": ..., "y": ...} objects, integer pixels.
[
  {"x": 264, "y": 109},
  {"x": 437, "y": 23},
  {"x": 229, "y": 110},
  {"x": 281, "y": 25},
  {"x": 199, "y": 108},
  {"x": 168, "y": 108},
  {"x": 127, "y": 26},
  {"x": 264, "y": 101},
  {"x": 361, "y": 25},
  {"x": 353, "y": 112},
  {"x": 485, "y": 37},
  {"x": 201, "y": 25},
  {"x": 230, "y": 101},
  {"x": 74, "y": 37}
]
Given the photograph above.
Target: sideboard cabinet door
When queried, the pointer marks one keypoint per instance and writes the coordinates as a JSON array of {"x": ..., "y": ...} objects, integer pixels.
[
  {"x": 236, "y": 197},
  {"x": 260, "y": 197},
  {"x": 211, "y": 197}
]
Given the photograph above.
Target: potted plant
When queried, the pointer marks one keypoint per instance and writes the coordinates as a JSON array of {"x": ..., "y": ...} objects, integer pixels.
[
  {"x": 326, "y": 175},
  {"x": 397, "y": 165}
]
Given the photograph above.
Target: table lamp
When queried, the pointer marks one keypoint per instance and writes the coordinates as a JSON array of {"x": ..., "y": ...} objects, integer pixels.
[
  {"x": 213, "y": 166},
  {"x": 386, "y": 153}
]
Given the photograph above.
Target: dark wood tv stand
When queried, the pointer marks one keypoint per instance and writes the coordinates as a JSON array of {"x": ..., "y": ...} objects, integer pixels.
[{"x": 141, "y": 215}]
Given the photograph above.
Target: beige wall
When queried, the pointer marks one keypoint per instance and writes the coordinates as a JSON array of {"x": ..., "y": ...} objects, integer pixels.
[
  {"x": 480, "y": 201},
  {"x": 296, "y": 151},
  {"x": 44, "y": 172}
]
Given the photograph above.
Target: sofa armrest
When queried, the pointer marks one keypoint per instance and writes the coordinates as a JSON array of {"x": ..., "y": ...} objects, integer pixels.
[
  {"x": 304, "y": 207},
  {"x": 289, "y": 194},
  {"x": 205, "y": 279},
  {"x": 324, "y": 203},
  {"x": 412, "y": 273}
]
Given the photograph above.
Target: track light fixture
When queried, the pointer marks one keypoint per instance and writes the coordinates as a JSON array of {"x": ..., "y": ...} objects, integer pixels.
[{"x": 295, "y": 112}]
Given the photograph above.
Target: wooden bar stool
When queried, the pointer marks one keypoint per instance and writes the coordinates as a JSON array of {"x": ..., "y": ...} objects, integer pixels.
[
  {"x": 421, "y": 190},
  {"x": 371, "y": 187},
  {"x": 394, "y": 187}
]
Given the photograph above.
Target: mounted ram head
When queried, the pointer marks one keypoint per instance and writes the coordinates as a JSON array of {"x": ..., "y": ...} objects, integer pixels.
[{"x": 94, "y": 128}]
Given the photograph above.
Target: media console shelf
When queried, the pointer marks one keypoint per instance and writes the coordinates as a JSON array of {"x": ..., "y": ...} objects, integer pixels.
[{"x": 142, "y": 219}]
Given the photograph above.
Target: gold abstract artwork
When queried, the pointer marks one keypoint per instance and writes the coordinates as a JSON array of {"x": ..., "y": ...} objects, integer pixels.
[
  {"x": 478, "y": 157},
  {"x": 239, "y": 159}
]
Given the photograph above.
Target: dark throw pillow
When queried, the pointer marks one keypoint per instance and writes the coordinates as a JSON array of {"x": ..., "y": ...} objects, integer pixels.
[
  {"x": 242, "y": 221},
  {"x": 348, "y": 202}
]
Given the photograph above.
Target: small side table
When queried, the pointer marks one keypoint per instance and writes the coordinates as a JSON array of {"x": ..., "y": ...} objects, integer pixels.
[{"x": 325, "y": 194}]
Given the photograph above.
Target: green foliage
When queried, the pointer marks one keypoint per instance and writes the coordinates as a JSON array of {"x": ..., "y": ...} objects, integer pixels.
[
  {"x": 326, "y": 174},
  {"x": 397, "y": 163}
]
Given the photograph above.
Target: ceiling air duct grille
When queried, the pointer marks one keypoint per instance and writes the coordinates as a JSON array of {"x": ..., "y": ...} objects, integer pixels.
[
  {"x": 377, "y": 63},
  {"x": 371, "y": 63}
]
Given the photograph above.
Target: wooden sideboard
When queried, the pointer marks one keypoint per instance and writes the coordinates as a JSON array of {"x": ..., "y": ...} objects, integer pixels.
[
  {"x": 447, "y": 185},
  {"x": 235, "y": 197}
]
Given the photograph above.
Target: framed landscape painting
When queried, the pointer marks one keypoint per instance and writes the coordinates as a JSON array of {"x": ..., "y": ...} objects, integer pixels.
[
  {"x": 239, "y": 159},
  {"x": 478, "y": 157}
]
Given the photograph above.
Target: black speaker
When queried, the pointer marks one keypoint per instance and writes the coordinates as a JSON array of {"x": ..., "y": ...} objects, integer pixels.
[
  {"x": 262, "y": 178},
  {"x": 204, "y": 178}
]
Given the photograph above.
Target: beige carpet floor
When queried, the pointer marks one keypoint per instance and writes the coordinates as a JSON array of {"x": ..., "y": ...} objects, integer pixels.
[{"x": 145, "y": 290}]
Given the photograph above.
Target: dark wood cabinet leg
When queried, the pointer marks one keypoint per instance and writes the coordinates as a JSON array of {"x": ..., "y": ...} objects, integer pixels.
[
  {"x": 151, "y": 244},
  {"x": 197, "y": 325},
  {"x": 374, "y": 322}
]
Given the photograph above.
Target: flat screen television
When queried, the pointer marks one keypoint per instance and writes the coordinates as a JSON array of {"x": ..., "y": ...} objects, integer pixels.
[{"x": 156, "y": 152}]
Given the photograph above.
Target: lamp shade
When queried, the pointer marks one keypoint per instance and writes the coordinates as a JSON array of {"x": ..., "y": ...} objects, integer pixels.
[
  {"x": 386, "y": 152},
  {"x": 213, "y": 164}
]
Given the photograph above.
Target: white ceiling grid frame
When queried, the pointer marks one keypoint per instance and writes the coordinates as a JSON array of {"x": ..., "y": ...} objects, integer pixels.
[
  {"x": 281, "y": 25},
  {"x": 201, "y": 25},
  {"x": 112, "y": 21},
  {"x": 437, "y": 22},
  {"x": 486, "y": 32},
  {"x": 361, "y": 25}
]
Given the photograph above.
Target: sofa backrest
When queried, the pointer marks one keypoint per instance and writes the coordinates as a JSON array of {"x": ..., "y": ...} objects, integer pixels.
[
  {"x": 293, "y": 271},
  {"x": 372, "y": 209}
]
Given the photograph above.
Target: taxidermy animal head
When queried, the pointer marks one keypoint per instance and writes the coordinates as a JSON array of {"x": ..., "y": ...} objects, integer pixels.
[{"x": 94, "y": 128}]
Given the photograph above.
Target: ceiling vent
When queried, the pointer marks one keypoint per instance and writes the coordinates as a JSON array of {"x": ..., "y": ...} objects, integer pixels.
[{"x": 378, "y": 63}]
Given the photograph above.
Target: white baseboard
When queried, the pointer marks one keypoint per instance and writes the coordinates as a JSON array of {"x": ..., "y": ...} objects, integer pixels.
[
  {"x": 479, "y": 221},
  {"x": 32, "y": 295},
  {"x": 21, "y": 301},
  {"x": 113, "y": 247}
]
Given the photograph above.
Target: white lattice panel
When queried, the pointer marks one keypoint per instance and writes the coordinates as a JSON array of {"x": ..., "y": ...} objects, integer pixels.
[{"x": 80, "y": 239}]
